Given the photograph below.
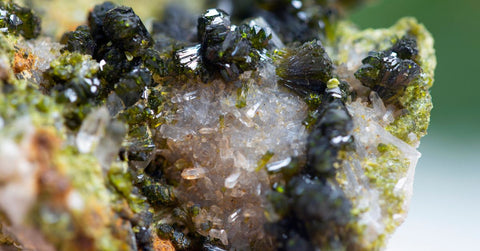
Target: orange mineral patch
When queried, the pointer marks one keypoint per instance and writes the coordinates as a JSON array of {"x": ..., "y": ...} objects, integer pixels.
[
  {"x": 23, "y": 61},
  {"x": 162, "y": 245}
]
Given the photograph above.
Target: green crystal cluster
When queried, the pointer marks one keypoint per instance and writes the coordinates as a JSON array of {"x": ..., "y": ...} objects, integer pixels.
[{"x": 91, "y": 167}]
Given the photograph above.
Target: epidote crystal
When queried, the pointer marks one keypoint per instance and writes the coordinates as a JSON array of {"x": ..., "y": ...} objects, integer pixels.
[{"x": 290, "y": 130}]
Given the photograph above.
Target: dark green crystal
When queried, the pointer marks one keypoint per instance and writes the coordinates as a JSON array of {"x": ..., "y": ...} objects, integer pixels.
[
  {"x": 306, "y": 69},
  {"x": 389, "y": 72},
  {"x": 19, "y": 20},
  {"x": 125, "y": 29},
  {"x": 79, "y": 40}
]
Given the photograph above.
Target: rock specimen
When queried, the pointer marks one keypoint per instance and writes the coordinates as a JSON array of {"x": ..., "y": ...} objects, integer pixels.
[{"x": 278, "y": 127}]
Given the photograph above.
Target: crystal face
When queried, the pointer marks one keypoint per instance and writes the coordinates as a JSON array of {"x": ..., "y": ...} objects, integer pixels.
[{"x": 289, "y": 130}]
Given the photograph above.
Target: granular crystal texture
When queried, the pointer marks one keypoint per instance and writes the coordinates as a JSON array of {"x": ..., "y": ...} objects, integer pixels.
[
  {"x": 379, "y": 175},
  {"x": 219, "y": 149},
  {"x": 255, "y": 125}
]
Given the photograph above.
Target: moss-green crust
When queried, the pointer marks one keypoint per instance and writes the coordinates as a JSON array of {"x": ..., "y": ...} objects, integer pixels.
[
  {"x": 82, "y": 204},
  {"x": 413, "y": 105},
  {"x": 351, "y": 45}
]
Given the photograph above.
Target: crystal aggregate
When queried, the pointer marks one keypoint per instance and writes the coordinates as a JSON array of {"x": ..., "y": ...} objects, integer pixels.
[{"x": 289, "y": 130}]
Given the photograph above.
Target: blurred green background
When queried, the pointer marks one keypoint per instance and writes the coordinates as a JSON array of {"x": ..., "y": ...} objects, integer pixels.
[{"x": 445, "y": 208}]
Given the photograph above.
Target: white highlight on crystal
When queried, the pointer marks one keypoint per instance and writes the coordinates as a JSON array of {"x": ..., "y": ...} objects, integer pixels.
[
  {"x": 219, "y": 234},
  {"x": 234, "y": 216},
  {"x": 194, "y": 173},
  {"x": 340, "y": 139},
  {"x": 297, "y": 4},
  {"x": 251, "y": 112},
  {"x": 277, "y": 165},
  {"x": 211, "y": 13},
  {"x": 232, "y": 180},
  {"x": 206, "y": 130},
  {"x": 210, "y": 131},
  {"x": 102, "y": 64}
]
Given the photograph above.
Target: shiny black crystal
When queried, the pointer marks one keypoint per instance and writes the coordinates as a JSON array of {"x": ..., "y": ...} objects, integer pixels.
[
  {"x": 96, "y": 19},
  {"x": 80, "y": 40},
  {"x": 389, "y": 72},
  {"x": 213, "y": 27},
  {"x": 131, "y": 86},
  {"x": 406, "y": 47},
  {"x": 226, "y": 49},
  {"x": 127, "y": 32},
  {"x": 306, "y": 68}
]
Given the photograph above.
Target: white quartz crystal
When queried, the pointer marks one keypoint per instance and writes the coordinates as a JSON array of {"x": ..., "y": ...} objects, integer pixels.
[
  {"x": 356, "y": 174},
  {"x": 92, "y": 129},
  {"x": 227, "y": 142},
  {"x": 44, "y": 51}
]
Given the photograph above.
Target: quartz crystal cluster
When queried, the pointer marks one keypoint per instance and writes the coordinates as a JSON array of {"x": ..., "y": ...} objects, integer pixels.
[{"x": 252, "y": 125}]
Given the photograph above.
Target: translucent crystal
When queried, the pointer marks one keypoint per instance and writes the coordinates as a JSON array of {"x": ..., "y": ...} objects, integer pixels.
[
  {"x": 110, "y": 143},
  {"x": 92, "y": 129},
  {"x": 234, "y": 216},
  {"x": 369, "y": 133},
  {"x": 275, "y": 166},
  {"x": 193, "y": 173},
  {"x": 229, "y": 143},
  {"x": 217, "y": 149},
  {"x": 219, "y": 234},
  {"x": 114, "y": 104},
  {"x": 232, "y": 180},
  {"x": 44, "y": 50},
  {"x": 207, "y": 130}
]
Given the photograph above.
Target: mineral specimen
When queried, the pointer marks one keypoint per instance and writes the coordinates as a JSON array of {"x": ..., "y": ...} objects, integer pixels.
[
  {"x": 19, "y": 20},
  {"x": 274, "y": 125}
]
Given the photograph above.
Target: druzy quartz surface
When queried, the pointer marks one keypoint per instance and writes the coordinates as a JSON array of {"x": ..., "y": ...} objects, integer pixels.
[{"x": 251, "y": 125}]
